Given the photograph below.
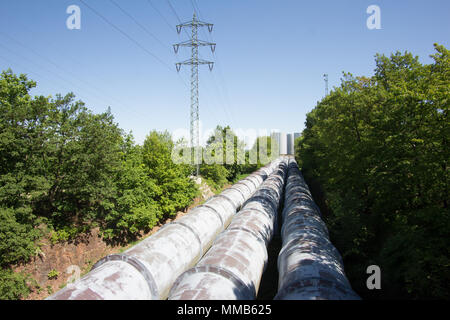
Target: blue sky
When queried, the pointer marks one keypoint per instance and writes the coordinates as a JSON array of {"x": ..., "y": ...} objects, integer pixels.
[{"x": 270, "y": 56}]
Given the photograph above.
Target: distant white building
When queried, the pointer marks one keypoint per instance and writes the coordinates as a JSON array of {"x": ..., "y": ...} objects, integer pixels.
[
  {"x": 283, "y": 143},
  {"x": 290, "y": 143},
  {"x": 286, "y": 142}
]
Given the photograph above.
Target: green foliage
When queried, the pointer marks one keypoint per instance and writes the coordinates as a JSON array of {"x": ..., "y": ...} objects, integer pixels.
[
  {"x": 49, "y": 289},
  {"x": 13, "y": 286},
  {"x": 176, "y": 190},
  {"x": 232, "y": 157},
  {"x": 82, "y": 155},
  {"x": 135, "y": 208},
  {"x": 262, "y": 151},
  {"x": 53, "y": 274},
  {"x": 215, "y": 174},
  {"x": 375, "y": 151},
  {"x": 16, "y": 239},
  {"x": 67, "y": 233}
]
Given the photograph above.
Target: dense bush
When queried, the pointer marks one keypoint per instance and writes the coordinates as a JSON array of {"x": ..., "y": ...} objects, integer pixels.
[
  {"x": 134, "y": 207},
  {"x": 219, "y": 141},
  {"x": 177, "y": 189},
  {"x": 16, "y": 239},
  {"x": 13, "y": 285},
  {"x": 375, "y": 151},
  {"x": 215, "y": 174}
]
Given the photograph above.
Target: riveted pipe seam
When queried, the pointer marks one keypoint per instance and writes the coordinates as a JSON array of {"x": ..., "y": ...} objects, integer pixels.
[
  {"x": 213, "y": 210},
  {"x": 227, "y": 198},
  {"x": 246, "y": 292},
  {"x": 133, "y": 262},
  {"x": 243, "y": 184},
  {"x": 195, "y": 234},
  {"x": 252, "y": 182}
]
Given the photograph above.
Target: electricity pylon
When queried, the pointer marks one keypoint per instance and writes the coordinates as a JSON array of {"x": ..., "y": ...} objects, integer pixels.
[
  {"x": 325, "y": 76},
  {"x": 194, "y": 61}
]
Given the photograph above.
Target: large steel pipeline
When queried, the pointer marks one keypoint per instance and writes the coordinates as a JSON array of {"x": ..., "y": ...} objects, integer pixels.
[
  {"x": 147, "y": 270},
  {"x": 233, "y": 266},
  {"x": 309, "y": 266}
]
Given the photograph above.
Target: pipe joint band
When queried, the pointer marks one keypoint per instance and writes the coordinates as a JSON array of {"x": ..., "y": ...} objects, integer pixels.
[
  {"x": 252, "y": 182},
  {"x": 214, "y": 210},
  {"x": 248, "y": 292},
  {"x": 243, "y": 184},
  {"x": 200, "y": 244},
  {"x": 139, "y": 266},
  {"x": 228, "y": 199},
  {"x": 239, "y": 191}
]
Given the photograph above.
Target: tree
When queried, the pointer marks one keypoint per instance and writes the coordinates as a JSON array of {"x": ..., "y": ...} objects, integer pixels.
[
  {"x": 82, "y": 154},
  {"x": 134, "y": 208},
  {"x": 377, "y": 149},
  {"x": 176, "y": 190},
  {"x": 233, "y": 155}
]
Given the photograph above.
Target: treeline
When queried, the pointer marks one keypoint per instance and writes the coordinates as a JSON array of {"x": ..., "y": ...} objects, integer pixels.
[
  {"x": 218, "y": 170},
  {"x": 375, "y": 152},
  {"x": 65, "y": 171}
]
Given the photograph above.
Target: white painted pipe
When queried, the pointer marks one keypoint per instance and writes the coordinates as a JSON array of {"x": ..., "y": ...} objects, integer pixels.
[
  {"x": 148, "y": 269},
  {"x": 233, "y": 266},
  {"x": 309, "y": 266}
]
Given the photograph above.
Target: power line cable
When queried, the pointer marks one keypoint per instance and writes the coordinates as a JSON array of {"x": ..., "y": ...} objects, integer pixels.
[
  {"x": 126, "y": 35},
  {"x": 138, "y": 23},
  {"x": 65, "y": 54},
  {"x": 133, "y": 40},
  {"x": 66, "y": 71},
  {"x": 142, "y": 27},
  {"x": 220, "y": 98},
  {"x": 39, "y": 75},
  {"x": 93, "y": 93},
  {"x": 160, "y": 14},
  {"x": 177, "y": 16}
]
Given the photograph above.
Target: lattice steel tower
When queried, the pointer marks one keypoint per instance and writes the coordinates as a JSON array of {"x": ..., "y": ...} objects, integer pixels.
[
  {"x": 194, "y": 43},
  {"x": 325, "y": 77}
]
